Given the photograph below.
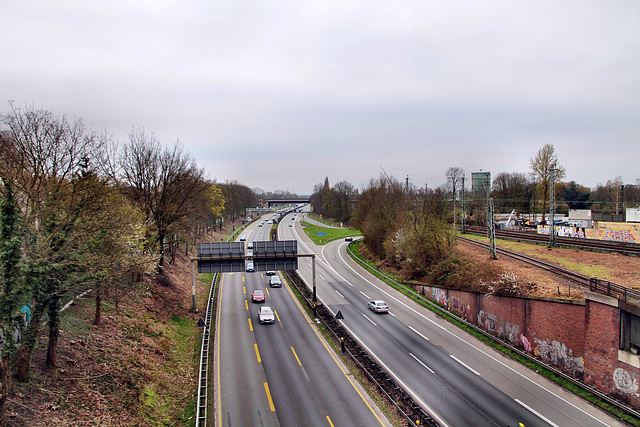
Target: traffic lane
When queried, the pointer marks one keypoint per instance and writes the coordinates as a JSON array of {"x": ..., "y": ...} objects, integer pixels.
[
  {"x": 307, "y": 383},
  {"x": 240, "y": 376},
  {"x": 429, "y": 391},
  {"x": 465, "y": 381},
  {"x": 528, "y": 388},
  {"x": 462, "y": 385},
  {"x": 282, "y": 353}
]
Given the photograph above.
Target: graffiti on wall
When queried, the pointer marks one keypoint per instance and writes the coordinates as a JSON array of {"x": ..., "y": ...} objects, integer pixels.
[
  {"x": 440, "y": 296},
  {"x": 458, "y": 305},
  {"x": 493, "y": 324},
  {"x": 526, "y": 344},
  {"x": 558, "y": 354},
  {"x": 618, "y": 235},
  {"x": 625, "y": 382},
  {"x": 19, "y": 324},
  {"x": 562, "y": 231}
]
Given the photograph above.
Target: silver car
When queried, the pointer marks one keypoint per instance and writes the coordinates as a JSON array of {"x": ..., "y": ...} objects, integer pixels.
[
  {"x": 266, "y": 315},
  {"x": 275, "y": 282},
  {"x": 378, "y": 306}
]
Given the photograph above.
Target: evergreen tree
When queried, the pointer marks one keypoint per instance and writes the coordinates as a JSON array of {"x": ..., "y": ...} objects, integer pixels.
[{"x": 11, "y": 288}]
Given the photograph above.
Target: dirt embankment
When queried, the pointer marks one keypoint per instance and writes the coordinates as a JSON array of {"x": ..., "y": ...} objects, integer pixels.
[
  {"x": 620, "y": 269},
  {"x": 136, "y": 368}
]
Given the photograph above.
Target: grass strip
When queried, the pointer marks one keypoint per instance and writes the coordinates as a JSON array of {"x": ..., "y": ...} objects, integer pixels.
[{"x": 322, "y": 235}]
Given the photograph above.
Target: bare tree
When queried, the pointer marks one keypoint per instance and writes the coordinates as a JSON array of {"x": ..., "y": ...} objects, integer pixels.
[
  {"x": 454, "y": 176},
  {"x": 512, "y": 191},
  {"x": 161, "y": 181},
  {"x": 379, "y": 209},
  {"x": 541, "y": 166}
]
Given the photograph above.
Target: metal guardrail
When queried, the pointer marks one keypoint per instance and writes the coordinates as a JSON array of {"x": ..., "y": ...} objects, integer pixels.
[
  {"x": 201, "y": 411},
  {"x": 614, "y": 290}
]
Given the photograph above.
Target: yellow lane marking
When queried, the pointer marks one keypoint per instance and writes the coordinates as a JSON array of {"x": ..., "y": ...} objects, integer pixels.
[
  {"x": 267, "y": 289},
  {"x": 266, "y": 389},
  {"x": 277, "y": 315},
  {"x": 257, "y": 352},
  {"x": 333, "y": 356},
  {"x": 294, "y": 353},
  {"x": 250, "y": 324},
  {"x": 246, "y": 304},
  {"x": 329, "y": 419},
  {"x": 300, "y": 307},
  {"x": 218, "y": 355},
  {"x": 244, "y": 289},
  {"x": 242, "y": 279}
]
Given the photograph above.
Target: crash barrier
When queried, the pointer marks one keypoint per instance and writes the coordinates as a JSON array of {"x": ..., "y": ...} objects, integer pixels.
[
  {"x": 201, "y": 411},
  {"x": 397, "y": 396}
]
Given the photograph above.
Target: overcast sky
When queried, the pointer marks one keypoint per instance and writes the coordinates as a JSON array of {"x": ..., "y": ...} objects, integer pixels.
[{"x": 279, "y": 94}]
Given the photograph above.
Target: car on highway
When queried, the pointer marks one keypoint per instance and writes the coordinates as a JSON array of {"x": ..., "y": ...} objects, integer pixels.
[
  {"x": 250, "y": 245},
  {"x": 378, "y": 306},
  {"x": 275, "y": 281},
  {"x": 270, "y": 273},
  {"x": 266, "y": 315},
  {"x": 257, "y": 296},
  {"x": 290, "y": 225},
  {"x": 243, "y": 238},
  {"x": 250, "y": 268},
  {"x": 348, "y": 239},
  {"x": 261, "y": 223}
]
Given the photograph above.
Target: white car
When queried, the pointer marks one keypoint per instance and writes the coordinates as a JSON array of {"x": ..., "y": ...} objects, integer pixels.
[
  {"x": 266, "y": 315},
  {"x": 250, "y": 268},
  {"x": 378, "y": 306},
  {"x": 270, "y": 273}
]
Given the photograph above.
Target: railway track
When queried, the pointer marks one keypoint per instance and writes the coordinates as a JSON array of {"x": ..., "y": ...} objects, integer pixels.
[
  {"x": 571, "y": 242},
  {"x": 628, "y": 295}
]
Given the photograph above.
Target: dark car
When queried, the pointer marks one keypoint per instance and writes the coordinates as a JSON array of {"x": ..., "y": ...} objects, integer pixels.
[{"x": 348, "y": 239}]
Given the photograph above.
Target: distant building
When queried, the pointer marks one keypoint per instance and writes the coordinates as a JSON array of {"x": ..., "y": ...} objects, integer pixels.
[
  {"x": 481, "y": 183},
  {"x": 633, "y": 214}
]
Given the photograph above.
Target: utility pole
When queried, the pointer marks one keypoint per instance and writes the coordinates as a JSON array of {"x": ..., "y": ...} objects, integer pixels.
[
  {"x": 492, "y": 231},
  {"x": 552, "y": 203},
  {"x": 464, "y": 211},
  {"x": 407, "y": 185},
  {"x": 619, "y": 199},
  {"x": 453, "y": 179}
]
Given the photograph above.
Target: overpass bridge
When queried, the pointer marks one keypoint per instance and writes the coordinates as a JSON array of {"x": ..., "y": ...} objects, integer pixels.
[{"x": 287, "y": 201}]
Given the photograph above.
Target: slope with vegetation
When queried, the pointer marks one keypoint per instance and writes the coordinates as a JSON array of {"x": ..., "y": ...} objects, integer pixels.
[{"x": 84, "y": 213}]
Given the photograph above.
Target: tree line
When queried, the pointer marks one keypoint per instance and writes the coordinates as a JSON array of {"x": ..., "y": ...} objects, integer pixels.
[
  {"x": 526, "y": 193},
  {"x": 410, "y": 228},
  {"x": 81, "y": 210}
]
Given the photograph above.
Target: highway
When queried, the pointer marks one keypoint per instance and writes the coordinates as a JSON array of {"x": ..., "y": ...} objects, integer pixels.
[
  {"x": 455, "y": 377},
  {"x": 279, "y": 374}
]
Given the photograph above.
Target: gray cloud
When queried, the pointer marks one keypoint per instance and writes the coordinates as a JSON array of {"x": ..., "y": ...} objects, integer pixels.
[{"x": 279, "y": 95}]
